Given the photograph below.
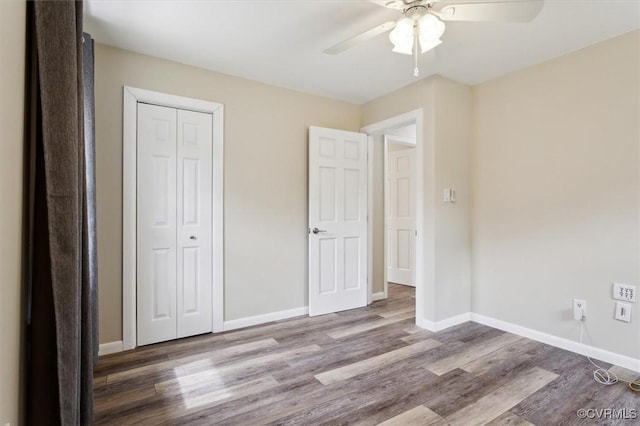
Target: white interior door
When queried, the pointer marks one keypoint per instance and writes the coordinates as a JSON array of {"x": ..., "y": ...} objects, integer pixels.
[
  {"x": 174, "y": 241},
  {"x": 156, "y": 224},
  {"x": 337, "y": 220},
  {"x": 194, "y": 236},
  {"x": 401, "y": 216}
]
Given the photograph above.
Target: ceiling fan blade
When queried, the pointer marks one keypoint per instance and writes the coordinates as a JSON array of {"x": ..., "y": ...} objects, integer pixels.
[
  {"x": 390, "y": 4},
  {"x": 349, "y": 43},
  {"x": 511, "y": 11}
]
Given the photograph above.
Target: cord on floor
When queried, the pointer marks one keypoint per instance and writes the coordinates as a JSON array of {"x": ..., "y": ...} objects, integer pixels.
[{"x": 606, "y": 377}]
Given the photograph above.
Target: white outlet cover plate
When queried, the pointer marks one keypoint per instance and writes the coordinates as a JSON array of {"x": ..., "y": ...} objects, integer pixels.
[
  {"x": 625, "y": 292},
  {"x": 579, "y": 309}
]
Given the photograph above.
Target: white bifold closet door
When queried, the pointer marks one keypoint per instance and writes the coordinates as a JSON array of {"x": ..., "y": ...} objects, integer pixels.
[{"x": 174, "y": 234}]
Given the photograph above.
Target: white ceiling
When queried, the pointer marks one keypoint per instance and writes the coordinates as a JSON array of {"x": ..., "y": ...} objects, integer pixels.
[{"x": 281, "y": 42}]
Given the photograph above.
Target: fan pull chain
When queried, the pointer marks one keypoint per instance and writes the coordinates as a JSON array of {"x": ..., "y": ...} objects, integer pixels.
[{"x": 416, "y": 71}]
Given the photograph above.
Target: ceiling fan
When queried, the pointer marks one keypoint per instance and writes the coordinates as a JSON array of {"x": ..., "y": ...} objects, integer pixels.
[{"x": 422, "y": 23}]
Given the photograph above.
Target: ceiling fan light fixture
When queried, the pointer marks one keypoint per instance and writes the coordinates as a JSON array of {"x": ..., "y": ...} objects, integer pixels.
[
  {"x": 430, "y": 28},
  {"x": 402, "y": 36},
  {"x": 426, "y": 45}
]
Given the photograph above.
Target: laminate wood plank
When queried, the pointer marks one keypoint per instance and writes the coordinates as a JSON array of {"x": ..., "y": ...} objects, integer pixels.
[
  {"x": 492, "y": 359},
  {"x": 407, "y": 310},
  {"x": 472, "y": 353},
  {"x": 468, "y": 332},
  {"x": 251, "y": 409},
  {"x": 261, "y": 330},
  {"x": 198, "y": 379},
  {"x": 412, "y": 329},
  {"x": 549, "y": 406},
  {"x": 339, "y": 398},
  {"x": 391, "y": 303},
  {"x": 459, "y": 388},
  {"x": 301, "y": 406},
  {"x": 401, "y": 399},
  {"x": 350, "y": 331},
  {"x": 192, "y": 403},
  {"x": 503, "y": 399},
  {"x": 593, "y": 396},
  {"x": 418, "y": 416},
  {"x": 204, "y": 359},
  {"x": 418, "y": 336},
  {"x": 116, "y": 401},
  {"x": 306, "y": 329},
  {"x": 509, "y": 419},
  {"x": 343, "y": 352},
  {"x": 157, "y": 352},
  {"x": 379, "y": 361}
]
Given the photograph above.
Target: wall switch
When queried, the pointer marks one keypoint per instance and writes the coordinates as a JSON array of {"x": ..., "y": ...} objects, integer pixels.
[
  {"x": 624, "y": 292},
  {"x": 579, "y": 310},
  {"x": 623, "y": 312},
  {"x": 449, "y": 195}
]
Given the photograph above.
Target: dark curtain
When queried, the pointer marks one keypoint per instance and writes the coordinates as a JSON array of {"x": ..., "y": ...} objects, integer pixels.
[{"x": 61, "y": 334}]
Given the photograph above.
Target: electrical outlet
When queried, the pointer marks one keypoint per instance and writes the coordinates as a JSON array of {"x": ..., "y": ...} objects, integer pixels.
[
  {"x": 623, "y": 312},
  {"x": 579, "y": 309},
  {"x": 624, "y": 292}
]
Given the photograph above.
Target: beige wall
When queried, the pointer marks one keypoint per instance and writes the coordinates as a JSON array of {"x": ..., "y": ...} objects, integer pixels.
[
  {"x": 12, "y": 47},
  {"x": 453, "y": 170},
  {"x": 265, "y": 179},
  {"x": 446, "y": 141},
  {"x": 555, "y": 193}
]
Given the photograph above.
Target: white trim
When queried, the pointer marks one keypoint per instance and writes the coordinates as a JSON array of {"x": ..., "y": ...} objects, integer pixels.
[
  {"x": 264, "y": 318},
  {"x": 370, "y": 220},
  {"x": 110, "y": 348},
  {"x": 445, "y": 323},
  {"x": 560, "y": 342},
  {"x": 400, "y": 140},
  {"x": 131, "y": 97},
  {"x": 379, "y": 296},
  {"x": 385, "y": 207},
  {"x": 415, "y": 116}
]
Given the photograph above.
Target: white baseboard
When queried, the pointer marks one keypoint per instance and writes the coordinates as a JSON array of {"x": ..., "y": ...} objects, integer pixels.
[
  {"x": 445, "y": 323},
  {"x": 261, "y": 319},
  {"x": 560, "y": 342},
  {"x": 378, "y": 296},
  {"x": 110, "y": 348}
]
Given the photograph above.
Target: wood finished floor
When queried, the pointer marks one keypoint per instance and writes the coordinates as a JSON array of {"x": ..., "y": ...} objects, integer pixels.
[{"x": 364, "y": 367}]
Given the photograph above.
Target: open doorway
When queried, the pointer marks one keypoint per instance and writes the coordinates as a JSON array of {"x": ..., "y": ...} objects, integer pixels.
[
  {"x": 399, "y": 205},
  {"x": 396, "y": 134}
]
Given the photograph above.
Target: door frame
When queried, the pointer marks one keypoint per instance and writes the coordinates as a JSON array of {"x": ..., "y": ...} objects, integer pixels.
[
  {"x": 379, "y": 128},
  {"x": 131, "y": 97},
  {"x": 411, "y": 143}
]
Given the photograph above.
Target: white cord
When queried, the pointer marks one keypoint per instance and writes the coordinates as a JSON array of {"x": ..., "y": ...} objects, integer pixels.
[{"x": 601, "y": 375}]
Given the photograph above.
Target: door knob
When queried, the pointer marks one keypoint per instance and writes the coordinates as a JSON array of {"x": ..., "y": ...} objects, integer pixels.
[
  {"x": 193, "y": 237},
  {"x": 317, "y": 231}
]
